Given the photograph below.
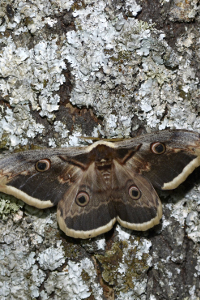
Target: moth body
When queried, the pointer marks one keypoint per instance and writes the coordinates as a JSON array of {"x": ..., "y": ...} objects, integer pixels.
[{"x": 95, "y": 186}]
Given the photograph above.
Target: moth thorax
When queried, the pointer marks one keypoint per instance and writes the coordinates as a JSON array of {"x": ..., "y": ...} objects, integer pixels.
[
  {"x": 103, "y": 164},
  {"x": 104, "y": 167}
]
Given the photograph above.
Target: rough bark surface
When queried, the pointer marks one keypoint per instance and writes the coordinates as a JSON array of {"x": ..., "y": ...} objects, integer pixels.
[{"x": 106, "y": 69}]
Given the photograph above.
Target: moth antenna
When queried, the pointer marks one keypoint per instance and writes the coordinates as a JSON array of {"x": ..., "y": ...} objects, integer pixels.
[{"x": 101, "y": 139}]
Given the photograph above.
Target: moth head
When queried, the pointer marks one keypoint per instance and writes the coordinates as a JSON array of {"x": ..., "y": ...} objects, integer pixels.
[
  {"x": 134, "y": 192},
  {"x": 43, "y": 165},
  {"x": 158, "y": 148},
  {"x": 82, "y": 199}
]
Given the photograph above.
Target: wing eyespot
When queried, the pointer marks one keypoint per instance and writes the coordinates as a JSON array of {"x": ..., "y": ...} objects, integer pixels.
[
  {"x": 82, "y": 199},
  {"x": 134, "y": 192},
  {"x": 158, "y": 148},
  {"x": 43, "y": 165}
]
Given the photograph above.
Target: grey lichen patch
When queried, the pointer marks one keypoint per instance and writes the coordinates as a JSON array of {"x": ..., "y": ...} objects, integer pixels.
[
  {"x": 177, "y": 248},
  {"x": 111, "y": 56},
  {"x": 16, "y": 275},
  {"x": 123, "y": 68},
  {"x": 31, "y": 71},
  {"x": 69, "y": 284},
  {"x": 188, "y": 210},
  {"x": 57, "y": 257},
  {"x": 183, "y": 10},
  {"x": 132, "y": 58},
  {"x": 16, "y": 124},
  {"x": 34, "y": 262}
]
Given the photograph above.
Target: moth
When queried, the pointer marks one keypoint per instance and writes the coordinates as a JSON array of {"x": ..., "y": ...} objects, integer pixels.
[{"x": 95, "y": 186}]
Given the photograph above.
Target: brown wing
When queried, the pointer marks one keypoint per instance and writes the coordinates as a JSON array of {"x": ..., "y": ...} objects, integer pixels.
[
  {"x": 95, "y": 215},
  {"x": 167, "y": 169},
  {"x": 109, "y": 199},
  {"x": 19, "y": 176}
]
